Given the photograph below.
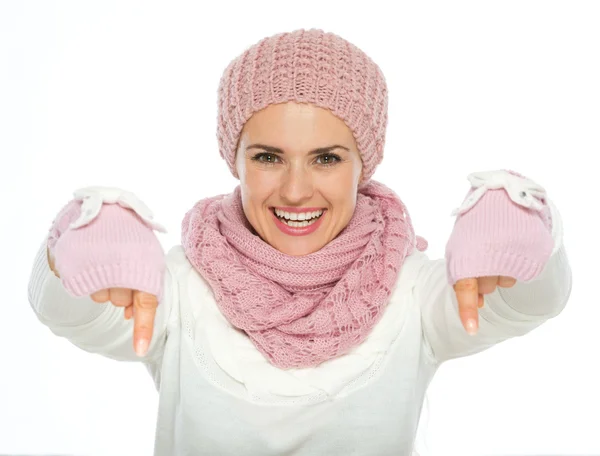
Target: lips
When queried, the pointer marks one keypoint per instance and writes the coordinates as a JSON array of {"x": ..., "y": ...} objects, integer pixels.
[{"x": 297, "y": 227}]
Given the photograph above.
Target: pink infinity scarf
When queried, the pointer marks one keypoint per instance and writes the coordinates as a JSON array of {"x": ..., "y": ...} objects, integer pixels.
[{"x": 301, "y": 311}]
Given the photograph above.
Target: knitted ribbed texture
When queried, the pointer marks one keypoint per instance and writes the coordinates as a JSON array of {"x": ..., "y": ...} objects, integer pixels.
[
  {"x": 499, "y": 237},
  {"x": 305, "y": 66},
  {"x": 116, "y": 249},
  {"x": 302, "y": 310}
]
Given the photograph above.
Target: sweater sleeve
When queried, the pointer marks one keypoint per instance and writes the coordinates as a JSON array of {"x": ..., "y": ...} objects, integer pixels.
[
  {"x": 93, "y": 327},
  {"x": 507, "y": 312}
]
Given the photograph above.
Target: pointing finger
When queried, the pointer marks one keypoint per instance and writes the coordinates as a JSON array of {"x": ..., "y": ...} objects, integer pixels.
[
  {"x": 51, "y": 263},
  {"x": 144, "y": 310},
  {"x": 467, "y": 294}
]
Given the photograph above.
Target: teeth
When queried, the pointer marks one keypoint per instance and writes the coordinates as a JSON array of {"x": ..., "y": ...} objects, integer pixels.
[
  {"x": 299, "y": 224},
  {"x": 302, "y": 216}
]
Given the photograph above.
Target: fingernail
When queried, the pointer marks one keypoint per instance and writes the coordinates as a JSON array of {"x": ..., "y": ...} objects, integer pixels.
[
  {"x": 471, "y": 326},
  {"x": 141, "y": 347}
]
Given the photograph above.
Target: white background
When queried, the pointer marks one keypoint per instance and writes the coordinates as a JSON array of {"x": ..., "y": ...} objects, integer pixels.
[{"x": 124, "y": 93}]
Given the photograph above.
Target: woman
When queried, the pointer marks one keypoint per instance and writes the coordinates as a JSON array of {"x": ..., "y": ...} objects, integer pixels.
[{"x": 300, "y": 314}]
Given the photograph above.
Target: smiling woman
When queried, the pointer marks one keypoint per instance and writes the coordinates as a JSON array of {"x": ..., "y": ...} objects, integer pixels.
[
  {"x": 300, "y": 314},
  {"x": 298, "y": 159}
]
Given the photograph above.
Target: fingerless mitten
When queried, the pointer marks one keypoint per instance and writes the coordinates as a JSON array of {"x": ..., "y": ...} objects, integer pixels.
[
  {"x": 503, "y": 228},
  {"x": 104, "y": 238}
]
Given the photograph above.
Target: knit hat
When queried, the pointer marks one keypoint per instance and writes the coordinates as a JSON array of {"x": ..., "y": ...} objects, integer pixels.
[{"x": 305, "y": 66}]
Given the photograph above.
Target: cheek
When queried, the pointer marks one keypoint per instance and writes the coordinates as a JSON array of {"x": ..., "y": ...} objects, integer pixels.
[
  {"x": 349, "y": 186},
  {"x": 256, "y": 189},
  {"x": 350, "y": 203},
  {"x": 253, "y": 180},
  {"x": 342, "y": 193}
]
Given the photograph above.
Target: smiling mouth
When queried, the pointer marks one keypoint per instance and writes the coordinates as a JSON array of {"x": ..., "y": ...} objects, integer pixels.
[{"x": 298, "y": 219}]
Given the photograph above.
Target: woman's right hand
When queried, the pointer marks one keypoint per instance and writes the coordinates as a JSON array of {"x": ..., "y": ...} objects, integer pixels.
[
  {"x": 137, "y": 304},
  {"x": 104, "y": 238}
]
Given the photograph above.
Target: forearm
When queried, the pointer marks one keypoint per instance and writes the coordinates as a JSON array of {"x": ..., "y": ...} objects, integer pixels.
[
  {"x": 497, "y": 237},
  {"x": 93, "y": 327},
  {"x": 547, "y": 294},
  {"x": 442, "y": 328},
  {"x": 51, "y": 303}
]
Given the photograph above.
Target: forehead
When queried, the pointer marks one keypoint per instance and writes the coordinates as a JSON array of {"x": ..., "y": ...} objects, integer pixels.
[{"x": 296, "y": 126}]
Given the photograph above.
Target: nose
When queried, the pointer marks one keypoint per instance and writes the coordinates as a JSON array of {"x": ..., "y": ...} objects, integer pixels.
[{"x": 297, "y": 185}]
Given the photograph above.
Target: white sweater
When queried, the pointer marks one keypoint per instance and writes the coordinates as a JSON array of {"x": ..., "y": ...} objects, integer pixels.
[{"x": 220, "y": 396}]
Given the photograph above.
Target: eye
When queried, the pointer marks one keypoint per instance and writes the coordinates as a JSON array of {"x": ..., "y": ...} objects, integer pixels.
[
  {"x": 266, "y": 158},
  {"x": 329, "y": 159}
]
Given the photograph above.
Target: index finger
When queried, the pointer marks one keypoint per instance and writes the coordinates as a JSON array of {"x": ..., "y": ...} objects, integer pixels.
[
  {"x": 467, "y": 294},
  {"x": 144, "y": 311}
]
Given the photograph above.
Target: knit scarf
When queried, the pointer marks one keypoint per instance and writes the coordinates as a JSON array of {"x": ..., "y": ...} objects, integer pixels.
[{"x": 301, "y": 310}]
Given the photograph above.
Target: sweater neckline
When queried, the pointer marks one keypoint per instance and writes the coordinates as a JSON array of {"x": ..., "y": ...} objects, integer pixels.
[{"x": 228, "y": 354}]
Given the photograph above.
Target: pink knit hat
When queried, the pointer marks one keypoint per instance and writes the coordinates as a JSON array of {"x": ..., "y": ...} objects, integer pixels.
[{"x": 305, "y": 66}]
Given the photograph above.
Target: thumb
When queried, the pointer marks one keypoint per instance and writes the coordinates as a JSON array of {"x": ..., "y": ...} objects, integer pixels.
[
  {"x": 51, "y": 264},
  {"x": 144, "y": 311}
]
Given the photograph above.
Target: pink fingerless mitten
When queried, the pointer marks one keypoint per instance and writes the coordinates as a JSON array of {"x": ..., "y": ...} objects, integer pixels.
[
  {"x": 104, "y": 238},
  {"x": 502, "y": 228}
]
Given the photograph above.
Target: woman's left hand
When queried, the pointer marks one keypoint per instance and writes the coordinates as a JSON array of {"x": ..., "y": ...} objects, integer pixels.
[{"x": 470, "y": 292}]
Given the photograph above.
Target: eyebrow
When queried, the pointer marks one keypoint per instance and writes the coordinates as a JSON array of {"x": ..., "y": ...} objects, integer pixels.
[{"x": 277, "y": 150}]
